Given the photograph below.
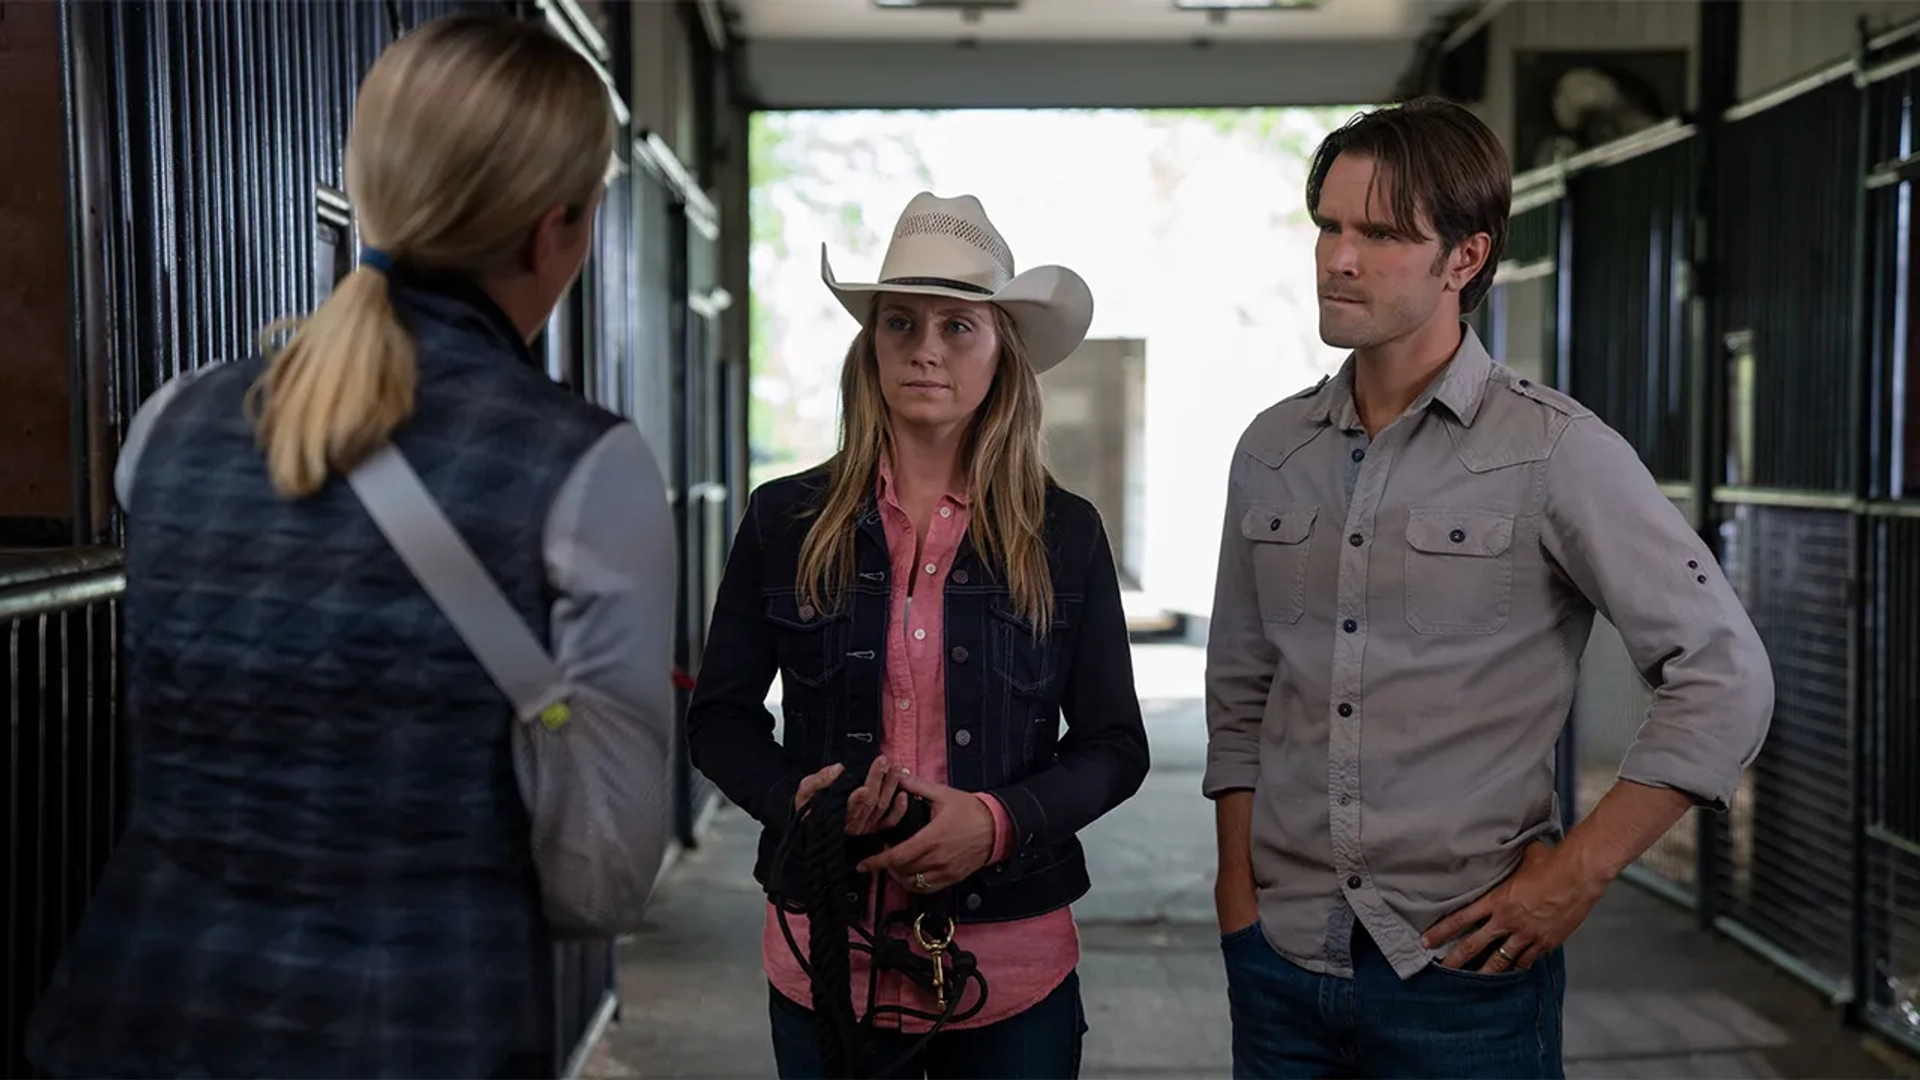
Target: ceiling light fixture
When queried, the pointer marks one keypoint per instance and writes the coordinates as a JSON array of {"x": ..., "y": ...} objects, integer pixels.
[
  {"x": 1242, "y": 5},
  {"x": 947, "y": 5}
]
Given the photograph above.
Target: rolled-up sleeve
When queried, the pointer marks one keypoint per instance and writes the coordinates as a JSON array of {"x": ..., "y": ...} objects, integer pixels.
[
  {"x": 1240, "y": 659},
  {"x": 1624, "y": 545}
]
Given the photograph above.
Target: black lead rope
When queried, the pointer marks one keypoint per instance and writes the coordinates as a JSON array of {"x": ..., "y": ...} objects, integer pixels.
[{"x": 813, "y": 875}]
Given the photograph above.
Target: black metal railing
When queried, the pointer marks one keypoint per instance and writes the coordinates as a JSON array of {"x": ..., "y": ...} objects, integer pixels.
[{"x": 65, "y": 786}]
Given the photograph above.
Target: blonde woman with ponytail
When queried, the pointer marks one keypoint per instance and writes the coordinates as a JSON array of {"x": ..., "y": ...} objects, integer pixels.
[
  {"x": 326, "y": 868},
  {"x": 935, "y": 606}
]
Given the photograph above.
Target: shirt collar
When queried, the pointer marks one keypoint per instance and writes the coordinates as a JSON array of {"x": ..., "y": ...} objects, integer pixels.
[
  {"x": 883, "y": 488},
  {"x": 1461, "y": 387}
]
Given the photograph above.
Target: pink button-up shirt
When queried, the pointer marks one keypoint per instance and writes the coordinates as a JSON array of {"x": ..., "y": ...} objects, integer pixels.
[{"x": 1023, "y": 961}]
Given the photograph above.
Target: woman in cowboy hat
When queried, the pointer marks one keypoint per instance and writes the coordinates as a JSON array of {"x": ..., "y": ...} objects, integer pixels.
[{"x": 933, "y": 603}]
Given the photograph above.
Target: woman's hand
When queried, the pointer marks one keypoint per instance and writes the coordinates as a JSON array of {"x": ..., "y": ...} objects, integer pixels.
[
  {"x": 951, "y": 848},
  {"x": 877, "y": 804},
  {"x": 815, "y": 784}
]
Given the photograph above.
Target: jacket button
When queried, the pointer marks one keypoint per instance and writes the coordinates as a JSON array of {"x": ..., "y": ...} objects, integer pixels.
[
  {"x": 959, "y": 577},
  {"x": 959, "y": 654},
  {"x": 1350, "y": 626},
  {"x": 1458, "y": 536},
  {"x": 806, "y": 611},
  {"x": 1353, "y": 881},
  {"x": 973, "y": 901},
  {"x": 1274, "y": 525},
  {"x": 962, "y": 737},
  {"x": 1345, "y": 709},
  {"x": 1356, "y": 540}
]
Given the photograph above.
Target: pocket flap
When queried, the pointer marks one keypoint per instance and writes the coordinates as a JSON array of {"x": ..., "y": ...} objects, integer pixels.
[
  {"x": 788, "y": 610},
  {"x": 1268, "y": 524},
  {"x": 1482, "y": 533},
  {"x": 1001, "y": 607}
]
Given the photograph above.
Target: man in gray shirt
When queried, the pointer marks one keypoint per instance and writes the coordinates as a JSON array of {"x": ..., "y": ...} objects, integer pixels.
[{"x": 1412, "y": 556}]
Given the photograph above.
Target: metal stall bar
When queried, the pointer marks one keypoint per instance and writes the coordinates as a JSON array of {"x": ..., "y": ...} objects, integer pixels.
[
  {"x": 65, "y": 783},
  {"x": 1886, "y": 973},
  {"x": 1789, "y": 341}
]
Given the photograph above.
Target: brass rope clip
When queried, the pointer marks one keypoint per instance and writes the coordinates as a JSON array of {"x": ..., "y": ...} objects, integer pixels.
[{"x": 936, "y": 950}]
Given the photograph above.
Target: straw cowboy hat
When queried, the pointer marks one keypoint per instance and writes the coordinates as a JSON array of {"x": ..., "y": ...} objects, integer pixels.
[{"x": 947, "y": 247}]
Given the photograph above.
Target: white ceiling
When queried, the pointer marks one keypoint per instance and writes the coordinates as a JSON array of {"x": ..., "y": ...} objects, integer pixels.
[{"x": 1084, "y": 20}]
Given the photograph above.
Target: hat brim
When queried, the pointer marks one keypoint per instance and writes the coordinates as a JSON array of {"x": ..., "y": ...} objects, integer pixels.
[{"x": 1051, "y": 305}]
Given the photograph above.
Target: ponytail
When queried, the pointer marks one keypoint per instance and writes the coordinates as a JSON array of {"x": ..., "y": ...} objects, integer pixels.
[{"x": 337, "y": 390}]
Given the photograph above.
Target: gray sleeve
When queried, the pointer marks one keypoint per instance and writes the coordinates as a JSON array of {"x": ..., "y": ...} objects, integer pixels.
[
  {"x": 1630, "y": 551},
  {"x": 1240, "y": 659},
  {"x": 613, "y": 560},
  {"x": 138, "y": 431}
]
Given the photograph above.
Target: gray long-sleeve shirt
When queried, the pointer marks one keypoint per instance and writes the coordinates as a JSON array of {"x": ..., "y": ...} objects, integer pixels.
[{"x": 1396, "y": 635}]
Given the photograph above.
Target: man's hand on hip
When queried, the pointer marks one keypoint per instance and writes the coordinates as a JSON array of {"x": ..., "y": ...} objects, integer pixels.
[{"x": 1529, "y": 914}]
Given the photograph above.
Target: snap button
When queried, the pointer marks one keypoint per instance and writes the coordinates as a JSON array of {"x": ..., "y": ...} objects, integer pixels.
[
  {"x": 1350, "y": 625},
  {"x": 919, "y": 635},
  {"x": 946, "y": 511},
  {"x": 959, "y": 654},
  {"x": 806, "y": 611},
  {"x": 1274, "y": 525},
  {"x": 1526, "y": 382},
  {"x": 1344, "y": 709},
  {"x": 1701, "y": 578},
  {"x": 1353, "y": 881},
  {"x": 904, "y": 703},
  {"x": 973, "y": 901},
  {"x": 930, "y": 568},
  {"x": 1458, "y": 536},
  {"x": 962, "y": 737},
  {"x": 1356, "y": 540},
  {"x": 959, "y": 577},
  {"x": 1359, "y": 455},
  {"x": 1345, "y": 799},
  {"x": 1693, "y": 564}
]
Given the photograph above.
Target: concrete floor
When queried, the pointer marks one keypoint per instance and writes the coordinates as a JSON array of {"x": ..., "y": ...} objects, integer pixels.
[{"x": 1649, "y": 995}]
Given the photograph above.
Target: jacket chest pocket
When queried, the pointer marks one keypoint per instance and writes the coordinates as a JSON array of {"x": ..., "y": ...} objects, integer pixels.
[
  {"x": 1281, "y": 539},
  {"x": 1027, "y": 661},
  {"x": 811, "y": 646},
  {"x": 1459, "y": 571}
]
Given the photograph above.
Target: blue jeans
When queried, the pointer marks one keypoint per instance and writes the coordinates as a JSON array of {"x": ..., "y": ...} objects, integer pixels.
[
  {"x": 1041, "y": 1043},
  {"x": 1291, "y": 1022}
]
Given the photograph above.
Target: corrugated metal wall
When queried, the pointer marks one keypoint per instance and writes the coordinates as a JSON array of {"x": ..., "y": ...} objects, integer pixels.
[{"x": 1628, "y": 341}]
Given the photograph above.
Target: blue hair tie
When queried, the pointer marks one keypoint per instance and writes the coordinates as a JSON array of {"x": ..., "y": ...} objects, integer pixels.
[{"x": 376, "y": 259}]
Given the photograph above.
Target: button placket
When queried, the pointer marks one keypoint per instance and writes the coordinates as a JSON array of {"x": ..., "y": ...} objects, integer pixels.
[{"x": 1367, "y": 475}]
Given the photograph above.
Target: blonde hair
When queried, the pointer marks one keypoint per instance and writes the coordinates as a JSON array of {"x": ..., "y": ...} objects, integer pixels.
[
  {"x": 1006, "y": 482},
  {"x": 467, "y": 130}
]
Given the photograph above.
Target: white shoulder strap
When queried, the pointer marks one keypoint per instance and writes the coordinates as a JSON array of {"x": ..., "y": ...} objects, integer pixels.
[{"x": 447, "y": 569}]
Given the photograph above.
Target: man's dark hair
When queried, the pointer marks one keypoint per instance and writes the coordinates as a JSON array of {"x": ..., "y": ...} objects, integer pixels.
[{"x": 1442, "y": 164}]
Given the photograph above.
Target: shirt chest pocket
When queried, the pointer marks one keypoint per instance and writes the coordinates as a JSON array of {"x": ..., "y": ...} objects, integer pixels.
[
  {"x": 1459, "y": 571},
  {"x": 1280, "y": 539}
]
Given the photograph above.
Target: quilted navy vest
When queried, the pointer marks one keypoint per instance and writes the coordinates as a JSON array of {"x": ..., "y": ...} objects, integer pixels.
[{"x": 326, "y": 870}]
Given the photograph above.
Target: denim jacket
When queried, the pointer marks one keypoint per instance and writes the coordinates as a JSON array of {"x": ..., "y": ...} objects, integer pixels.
[{"x": 1008, "y": 687}]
